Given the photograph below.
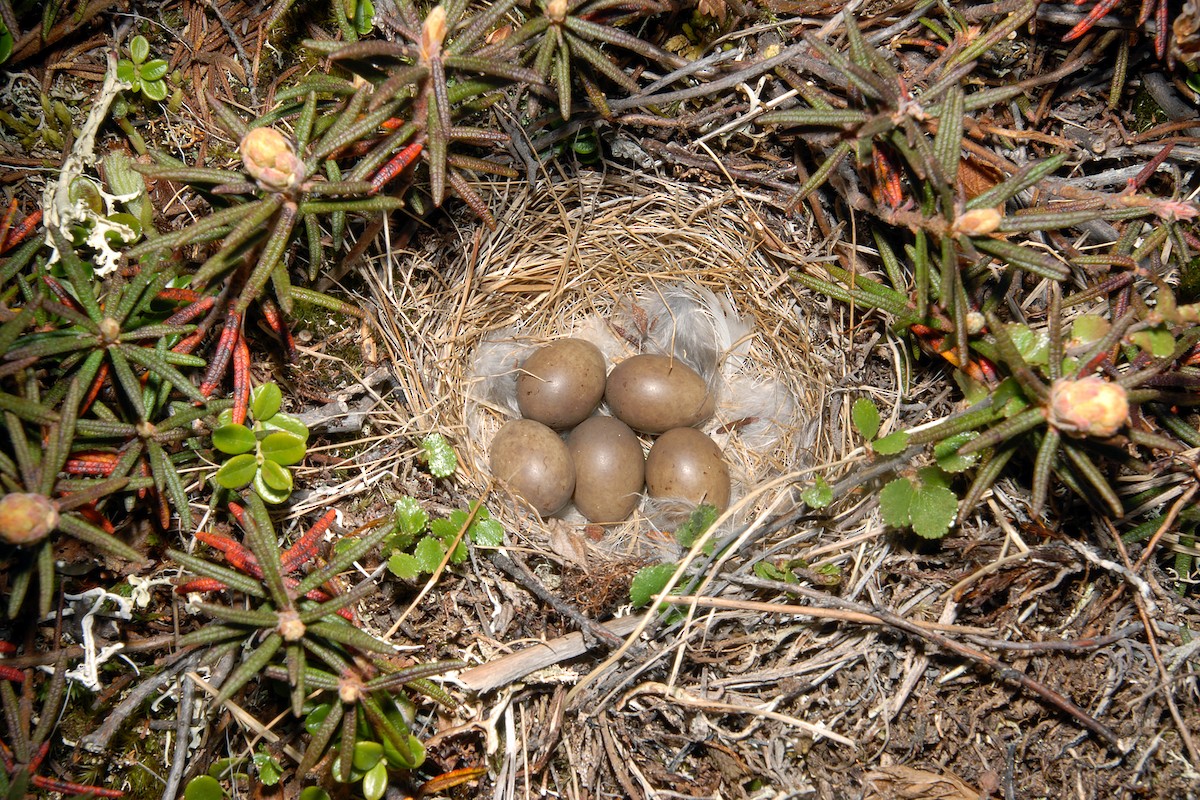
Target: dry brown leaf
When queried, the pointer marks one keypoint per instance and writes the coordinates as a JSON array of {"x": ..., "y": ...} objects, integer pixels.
[
  {"x": 713, "y": 8},
  {"x": 891, "y": 783}
]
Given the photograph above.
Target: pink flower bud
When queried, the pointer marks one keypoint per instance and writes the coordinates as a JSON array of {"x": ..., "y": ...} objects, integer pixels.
[
  {"x": 1090, "y": 406},
  {"x": 271, "y": 159}
]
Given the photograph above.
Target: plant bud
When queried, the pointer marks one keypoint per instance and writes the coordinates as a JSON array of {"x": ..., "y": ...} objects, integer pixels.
[
  {"x": 271, "y": 159},
  {"x": 978, "y": 222},
  {"x": 291, "y": 628},
  {"x": 26, "y": 518},
  {"x": 1089, "y": 406}
]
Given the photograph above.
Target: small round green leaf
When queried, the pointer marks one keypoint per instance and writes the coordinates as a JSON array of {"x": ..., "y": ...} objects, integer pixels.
[
  {"x": 139, "y": 49},
  {"x": 439, "y": 455},
  {"x": 204, "y": 787},
  {"x": 234, "y": 439},
  {"x": 367, "y": 755},
  {"x": 429, "y": 553},
  {"x": 648, "y": 582},
  {"x": 269, "y": 495},
  {"x": 865, "y": 417},
  {"x": 891, "y": 444},
  {"x": 404, "y": 566},
  {"x": 946, "y": 452},
  {"x": 487, "y": 533},
  {"x": 933, "y": 511},
  {"x": 154, "y": 90},
  {"x": 277, "y": 477},
  {"x": 127, "y": 73},
  {"x": 237, "y": 471},
  {"x": 895, "y": 502},
  {"x": 819, "y": 495},
  {"x": 375, "y": 782},
  {"x": 408, "y": 517},
  {"x": 154, "y": 70},
  {"x": 282, "y": 448},
  {"x": 265, "y": 401},
  {"x": 312, "y": 722},
  {"x": 313, "y": 793},
  {"x": 288, "y": 424}
]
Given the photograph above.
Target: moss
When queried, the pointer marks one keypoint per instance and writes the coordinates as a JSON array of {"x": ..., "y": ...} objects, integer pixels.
[{"x": 1146, "y": 112}]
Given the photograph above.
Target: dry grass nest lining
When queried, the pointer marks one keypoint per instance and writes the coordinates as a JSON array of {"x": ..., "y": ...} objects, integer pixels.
[{"x": 589, "y": 256}]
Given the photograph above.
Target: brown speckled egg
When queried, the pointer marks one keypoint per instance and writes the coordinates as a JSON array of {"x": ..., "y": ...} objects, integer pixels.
[
  {"x": 685, "y": 464},
  {"x": 533, "y": 461},
  {"x": 609, "y": 469},
  {"x": 653, "y": 393},
  {"x": 562, "y": 383}
]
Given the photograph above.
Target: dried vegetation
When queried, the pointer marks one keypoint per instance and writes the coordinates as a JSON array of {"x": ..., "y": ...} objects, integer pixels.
[{"x": 949, "y": 255}]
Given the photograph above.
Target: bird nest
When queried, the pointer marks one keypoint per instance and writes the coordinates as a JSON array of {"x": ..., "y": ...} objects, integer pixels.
[{"x": 633, "y": 264}]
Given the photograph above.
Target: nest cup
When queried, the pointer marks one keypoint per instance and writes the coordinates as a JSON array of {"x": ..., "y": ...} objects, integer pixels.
[{"x": 634, "y": 265}]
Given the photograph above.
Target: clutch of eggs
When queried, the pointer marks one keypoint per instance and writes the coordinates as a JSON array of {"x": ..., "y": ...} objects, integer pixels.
[{"x": 601, "y": 465}]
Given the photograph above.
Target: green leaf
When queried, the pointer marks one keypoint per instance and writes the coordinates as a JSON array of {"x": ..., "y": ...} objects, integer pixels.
[
  {"x": 1158, "y": 342},
  {"x": 405, "y": 760},
  {"x": 267, "y": 493},
  {"x": 819, "y": 495},
  {"x": 404, "y": 566},
  {"x": 154, "y": 90},
  {"x": 269, "y": 770},
  {"x": 891, "y": 444},
  {"x": 362, "y": 15},
  {"x": 865, "y": 417},
  {"x": 313, "y": 793},
  {"x": 6, "y": 43},
  {"x": 154, "y": 70},
  {"x": 648, "y": 582},
  {"x": 768, "y": 571},
  {"x": 234, "y": 439},
  {"x": 265, "y": 401},
  {"x": 933, "y": 510},
  {"x": 314, "y": 718},
  {"x": 277, "y": 477},
  {"x": 204, "y": 787},
  {"x": 375, "y": 782},
  {"x": 287, "y": 424},
  {"x": 409, "y": 517},
  {"x": 699, "y": 521},
  {"x": 946, "y": 452},
  {"x": 367, "y": 755},
  {"x": 1034, "y": 346},
  {"x": 895, "y": 502},
  {"x": 429, "y": 553},
  {"x": 487, "y": 533},
  {"x": 139, "y": 49},
  {"x": 1087, "y": 329},
  {"x": 237, "y": 471},
  {"x": 439, "y": 456},
  {"x": 127, "y": 73},
  {"x": 282, "y": 448},
  {"x": 447, "y": 529}
]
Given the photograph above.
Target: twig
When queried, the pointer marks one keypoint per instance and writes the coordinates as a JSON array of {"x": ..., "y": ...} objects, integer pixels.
[
  {"x": 97, "y": 741},
  {"x": 1066, "y": 645},
  {"x": 183, "y": 725},
  {"x": 76, "y": 651},
  {"x": 1142, "y": 607},
  {"x": 517, "y": 571},
  {"x": 1002, "y": 670},
  {"x": 502, "y": 671}
]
